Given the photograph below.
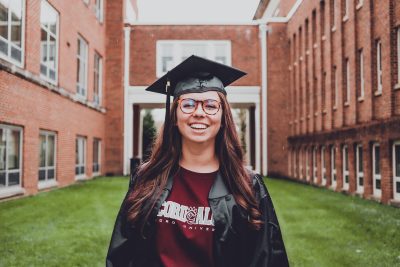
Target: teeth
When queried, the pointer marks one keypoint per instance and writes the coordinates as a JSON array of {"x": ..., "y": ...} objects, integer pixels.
[{"x": 198, "y": 126}]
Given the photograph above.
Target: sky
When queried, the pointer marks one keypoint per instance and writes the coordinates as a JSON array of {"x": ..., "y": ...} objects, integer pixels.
[{"x": 193, "y": 11}]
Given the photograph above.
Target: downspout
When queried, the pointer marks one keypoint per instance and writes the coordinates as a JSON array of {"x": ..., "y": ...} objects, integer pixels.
[
  {"x": 127, "y": 146},
  {"x": 264, "y": 97}
]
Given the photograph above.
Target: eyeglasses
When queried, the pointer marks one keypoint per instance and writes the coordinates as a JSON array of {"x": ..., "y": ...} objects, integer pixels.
[{"x": 189, "y": 105}]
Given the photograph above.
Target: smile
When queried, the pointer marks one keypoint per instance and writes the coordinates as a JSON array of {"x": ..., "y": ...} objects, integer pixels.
[{"x": 198, "y": 126}]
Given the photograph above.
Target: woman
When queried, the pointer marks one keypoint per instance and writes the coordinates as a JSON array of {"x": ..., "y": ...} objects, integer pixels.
[{"x": 194, "y": 203}]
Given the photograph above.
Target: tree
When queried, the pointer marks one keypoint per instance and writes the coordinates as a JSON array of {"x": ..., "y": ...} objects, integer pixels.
[{"x": 149, "y": 134}]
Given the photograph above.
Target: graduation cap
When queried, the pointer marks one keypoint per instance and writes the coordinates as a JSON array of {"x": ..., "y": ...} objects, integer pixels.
[{"x": 194, "y": 75}]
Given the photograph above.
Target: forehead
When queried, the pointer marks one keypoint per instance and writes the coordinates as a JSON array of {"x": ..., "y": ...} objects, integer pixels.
[{"x": 202, "y": 96}]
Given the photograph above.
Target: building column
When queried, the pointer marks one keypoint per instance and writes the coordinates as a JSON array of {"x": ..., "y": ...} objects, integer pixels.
[{"x": 264, "y": 97}]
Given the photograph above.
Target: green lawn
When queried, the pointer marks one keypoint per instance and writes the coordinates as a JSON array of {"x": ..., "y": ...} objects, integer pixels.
[{"x": 72, "y": 226}]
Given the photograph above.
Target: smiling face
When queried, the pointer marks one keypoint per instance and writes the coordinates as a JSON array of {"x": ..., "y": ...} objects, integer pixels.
[{"x": 199, "y": 127}]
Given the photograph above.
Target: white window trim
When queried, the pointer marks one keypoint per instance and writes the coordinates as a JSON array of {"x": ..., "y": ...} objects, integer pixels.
[
  {"x": 290, "y": 163},
  {"x": 334, "y": 16},
  {"x": 86, "y": 61},
  {"x": 346, "y": 10},
  {"x": 335, "y": 87},
  {"x": 100, "y": 81},
  {"x": 362, "y": 82},
  {"x": 333, "y": 170},
  {"x": 347, "y": 102},
  {"x": 375, "y": 177},
  {"x": 300, "y": 164},
  {"x": 360, "y": 174},
  {"x": 83, "y": 175},
  {"x": 99, "y": 159},
  {"x": 99, "y": 10},
  {"x": 398, "y": 59},
  {"x": 314, "y": 159},
  {"x": 14, "y": 189},
  {"x": 345, "y": 167},
  {"x": 396, "y": 196},
  {"x": 323, "y": 166},
  {"x": 47, "y": 134},
  {"x": 359, "y": 4},
  {"x": 177, "y": 51},
  {"x": 45, "y": 77},
  {"x": 9, "y": 58},
  {"x": 379, "y": 70},
  {"x": 307, "y": 164}
]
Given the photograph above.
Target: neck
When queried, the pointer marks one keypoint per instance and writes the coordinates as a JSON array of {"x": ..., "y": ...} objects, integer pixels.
[{"x": 199, "y": 157}]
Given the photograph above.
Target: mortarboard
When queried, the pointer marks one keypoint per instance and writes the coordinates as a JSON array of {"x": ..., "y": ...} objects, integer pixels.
[{"x": 194, "y": 75}]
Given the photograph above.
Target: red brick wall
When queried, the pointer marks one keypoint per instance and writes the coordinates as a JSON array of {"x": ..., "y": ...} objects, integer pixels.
[
  {"x": 244, "y": 45},
  {"x": 114, "y": 87},
  {"x": 33, "y": 107}
]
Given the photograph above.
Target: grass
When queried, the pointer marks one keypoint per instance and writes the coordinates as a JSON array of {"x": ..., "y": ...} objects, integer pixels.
[
  {"x": 72, "y": 226},
  {"x": 324, "y": 228}
]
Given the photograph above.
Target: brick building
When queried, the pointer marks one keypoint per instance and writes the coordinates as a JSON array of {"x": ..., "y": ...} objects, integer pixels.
[
  {"x": 343, "y": 99},
  {"x": 52, "y": 115}
]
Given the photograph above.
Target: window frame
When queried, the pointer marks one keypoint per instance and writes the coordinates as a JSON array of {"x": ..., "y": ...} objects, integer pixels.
[
  {"x": 177, "y": 51},
  {"x": 79, "y": 176},
  {"x": 323, "y": 165},
  {"x": 99, "y": 10},
  {"x": 396, "y": 179},
  {"x": 7, "y": 187},
  {"x": 345, "y": 167},
  {"x": 314, "y": 159},
  {"x": 345, "y": 10},
  {"x": 375, "y": 191},
  {"x": 379, "y": 70},
  {"x": 307, "y": 151},
  {"x": 97, "y": 98},
  {"x": 333, "y": 167},
  {"x": 335, "y": 87},
  {"x": 398, "y": 57},
  {"x": 46, "y": 77},
  {"x": 300, "y": 164},
  {"x": 361, "y": 73},
  {"x": 83, "y": 58},
  {"x": 8, "y": 57},
  {"x": 98, "y": 140},
  {"x": 46, "y": 167},
  {"x": 347, "y": 99},
  {"x": 359, "y": 174}
]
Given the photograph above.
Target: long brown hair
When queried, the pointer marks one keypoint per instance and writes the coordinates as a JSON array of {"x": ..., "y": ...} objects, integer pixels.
[{"x": 154, "y": 173}]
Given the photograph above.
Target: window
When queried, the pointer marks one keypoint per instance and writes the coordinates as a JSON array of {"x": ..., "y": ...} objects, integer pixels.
[
  {"x": 96, "y": 155},
  {"x": 307, "y": 164},
  {"x": 345, "y": 167},
  {"x": 376, "y": 170},
  {"x": 80, "y": 157},
  {"x": 323, "y": 166},
  {"x": 290, "y": 163},
  {"x": 98, "y": 10},
  {"x": 333, "y": 166},
  {"x": 361, "y": 73},
  {"x": 345, "y": 9},
  {"x": 171, "y": 52},
  {"x": 82, "y": 55},
  {"x": 10, "y": 156},
  {"x": 396, "y": 170},
  {"x": 98, "y": 81},
  {"x": 333, "y": 14},
  {"x": 12, "y": 31},
  {"x": 335, "y": 87},
  {"x": 360, "y": 169},
  {"x": 295, "y": 174},
  {"x": 300, "y": 165},
  {"x": 347, "y": 95},
  {"x": 47, "y": 156},
  {"x": 398, "y": 56},
  {"x": 379, "y": 66},
  {"x": 48, "y": 42},
  {"x": 314, "y": 159}
]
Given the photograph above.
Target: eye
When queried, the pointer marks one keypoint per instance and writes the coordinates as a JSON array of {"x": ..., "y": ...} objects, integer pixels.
[
  {"x": 211, "y": 104},
  {"x": 188, "y": 103}
]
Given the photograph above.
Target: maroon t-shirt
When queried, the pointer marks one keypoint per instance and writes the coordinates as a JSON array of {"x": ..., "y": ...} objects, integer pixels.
[{"x": 185, "y": 226}]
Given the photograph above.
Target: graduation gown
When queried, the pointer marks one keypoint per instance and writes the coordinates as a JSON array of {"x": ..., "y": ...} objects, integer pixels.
[{"x": 235, "y": 244}]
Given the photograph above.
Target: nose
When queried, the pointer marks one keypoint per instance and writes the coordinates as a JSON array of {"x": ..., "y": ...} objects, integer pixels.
[{"x": 199, "y": 110}]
